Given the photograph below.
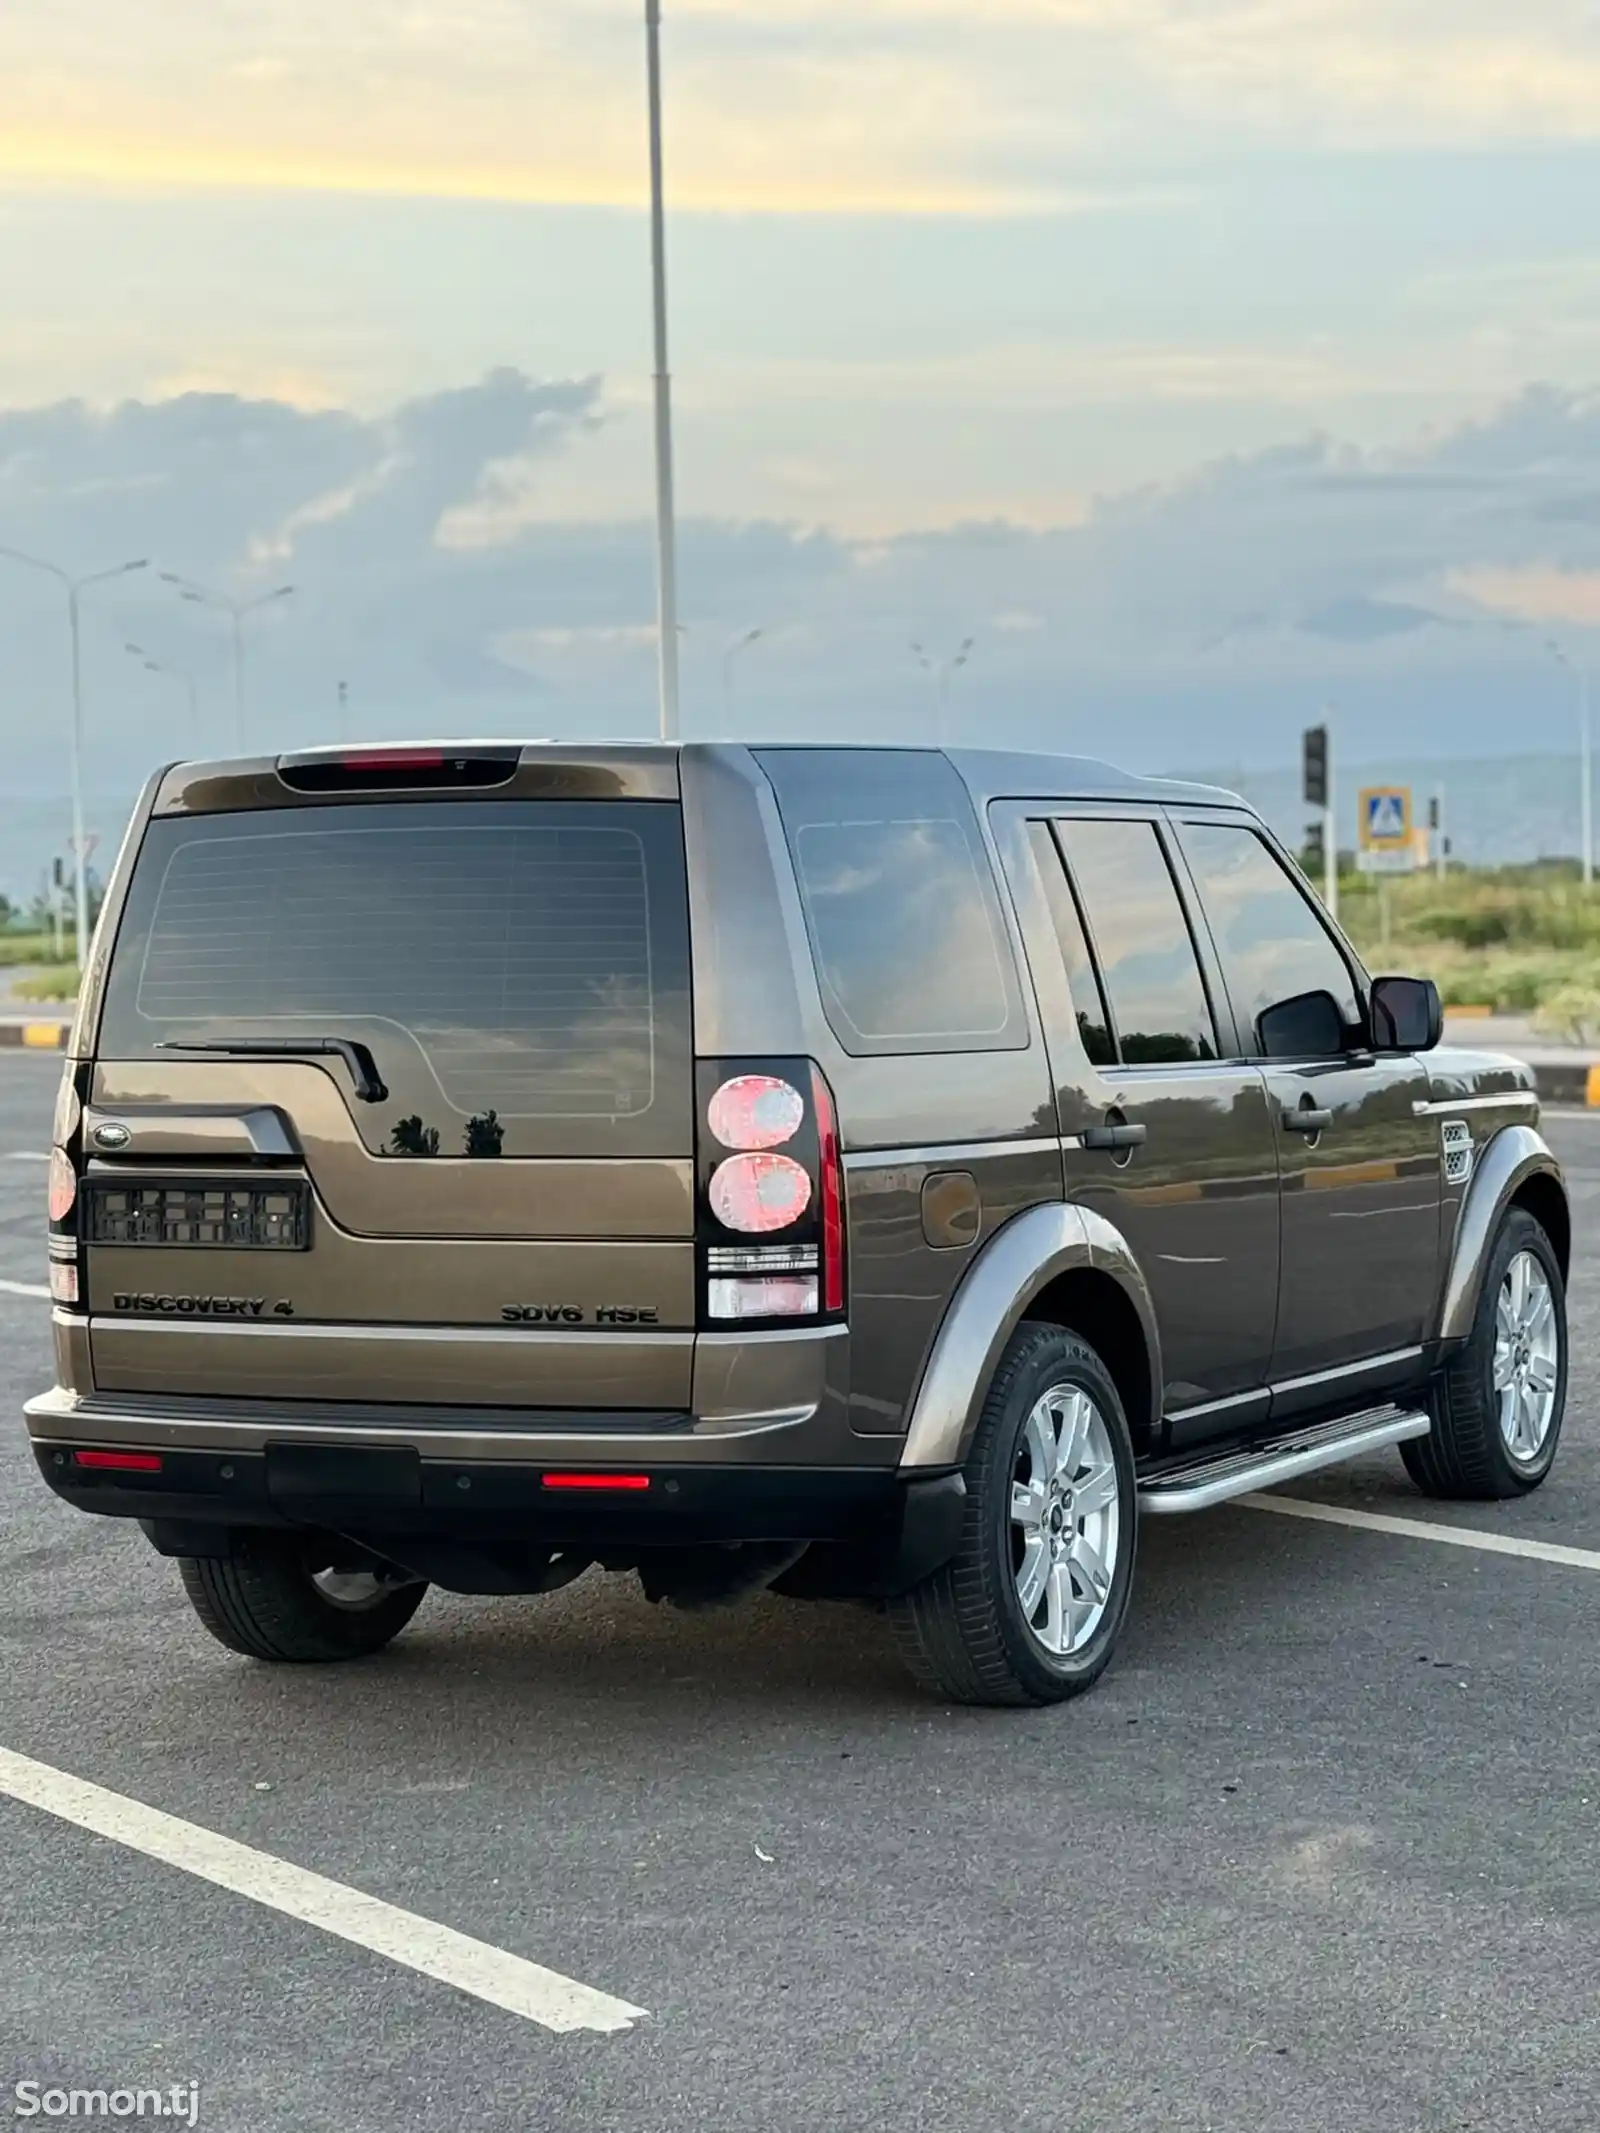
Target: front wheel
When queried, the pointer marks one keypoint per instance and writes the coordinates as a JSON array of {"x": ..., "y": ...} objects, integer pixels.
[
  {"x": 1498, "y": 1404},
  {"x": 267, "y": 1600},
  {"x": 1029, "y": 1608}
]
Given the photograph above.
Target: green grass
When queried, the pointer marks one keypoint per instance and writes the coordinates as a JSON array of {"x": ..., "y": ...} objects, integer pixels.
[
  {"x": 1510, "y": 939},
  {"x": 18, "y": 948},
  {"x": 56, "y": 981}
]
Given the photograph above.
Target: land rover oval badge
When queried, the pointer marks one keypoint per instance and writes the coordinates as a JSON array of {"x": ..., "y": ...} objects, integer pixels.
[{"x": 113, "y": 1134}]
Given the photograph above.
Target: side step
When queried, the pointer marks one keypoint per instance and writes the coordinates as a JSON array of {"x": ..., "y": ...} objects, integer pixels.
[{"x": 1205, "y": 1482}]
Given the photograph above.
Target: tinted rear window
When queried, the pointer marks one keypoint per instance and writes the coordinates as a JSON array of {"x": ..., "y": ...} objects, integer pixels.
[
  {"x": 528, "y": 960},
  {"x": 906, "y": 930}
]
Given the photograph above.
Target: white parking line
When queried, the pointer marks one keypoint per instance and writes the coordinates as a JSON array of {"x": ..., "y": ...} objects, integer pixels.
[
  {"x": 472, "y": 1966},
  {"x": 23, "y": 1288},
  {"x": 1335, "y": 1514},
  {"x": 26, "y": 1155}
]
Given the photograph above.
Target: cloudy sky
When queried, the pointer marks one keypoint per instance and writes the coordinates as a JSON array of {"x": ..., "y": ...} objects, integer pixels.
[{"x": 1206, "y": 361}]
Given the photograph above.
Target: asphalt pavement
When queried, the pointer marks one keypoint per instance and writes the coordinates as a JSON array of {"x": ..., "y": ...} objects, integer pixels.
[{"x": 1319, "y": 1853}]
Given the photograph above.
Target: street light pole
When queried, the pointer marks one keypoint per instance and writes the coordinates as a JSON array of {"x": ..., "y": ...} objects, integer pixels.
[
  {"x": 730, "y": 654},
  {"x": 1580, "y": 674},
  {"x": 174, "y": 673},
  {"x": 666, "y": 527},
  {"x": 944, "y": 671},
  {"x": 74, "y": 589},
  {"x": 236, "y": 610}
]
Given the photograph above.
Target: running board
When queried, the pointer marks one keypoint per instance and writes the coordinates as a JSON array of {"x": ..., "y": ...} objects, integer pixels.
[{"x": 1205, "y": 1482}]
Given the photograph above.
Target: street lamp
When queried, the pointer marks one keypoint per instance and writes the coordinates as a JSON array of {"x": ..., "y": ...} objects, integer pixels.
[
  {"x": 731, "y": 653},
  {"x": 173, "y": 673},
  {"x": 236, "y": 609},
  {"x": 944, "y": 671},
  {"x": 74, "y": 589},
  {"x": 666, "y": 527},
  {"x": 1580, "y": 674}
]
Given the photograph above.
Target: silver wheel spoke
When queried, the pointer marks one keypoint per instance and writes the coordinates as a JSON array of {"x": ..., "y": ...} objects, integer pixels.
[
  {"x": 1505, "y": 1365},
  {"x": 1097, "y": 1493},
  {"x": 1094, "y": 1573},
  {"x": 1027, "y": 1504},
  {"x": 1042, "y": 1444},
  {"x": 1543, "y": 1308},
  {"x": 1542, "y": 1372},
  {"x": 1033, "y": 1576},
  {"x": 1075, "y": 1419}
]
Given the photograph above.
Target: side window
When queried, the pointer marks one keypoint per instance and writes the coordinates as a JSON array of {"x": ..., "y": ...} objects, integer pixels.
[
  {"x": 911, "y": 950},
  {"x": 1273, "y": 945},
  {"x": 1088, "y": 1001},
  {"x": 1141, "y": 939}
]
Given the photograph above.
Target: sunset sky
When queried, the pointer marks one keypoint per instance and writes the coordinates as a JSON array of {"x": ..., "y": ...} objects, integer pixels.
[{"x": 1196, "y": 351}]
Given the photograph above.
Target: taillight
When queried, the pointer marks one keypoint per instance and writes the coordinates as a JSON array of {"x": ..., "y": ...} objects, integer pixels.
[
  {"x": 831, "y": 1165},
  {"x": 63, "y": 1186},
  {"x": 65, "y": 1163},
  {"x": 756, "y": 1111},
  {"x": 771, "y": 1224},
  {"x": 754, "y": 1194}
]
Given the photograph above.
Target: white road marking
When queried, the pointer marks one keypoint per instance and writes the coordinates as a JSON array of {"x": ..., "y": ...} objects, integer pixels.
[
  {"x": 26, "y": 1155},
  {"x": 472, "y": 1966},
  {"x": 23, "y": 1288},
  {"x": 1425, "y": 1529}
]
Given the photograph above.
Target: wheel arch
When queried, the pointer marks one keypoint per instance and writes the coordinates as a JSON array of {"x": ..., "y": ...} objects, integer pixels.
[
  {"x": 1517, "y": 1168},
  {"x": 1061, "y": 1263}
]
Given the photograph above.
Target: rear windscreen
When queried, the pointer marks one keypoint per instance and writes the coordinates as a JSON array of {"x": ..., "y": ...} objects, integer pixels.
[{"x": 518, "y": 970}]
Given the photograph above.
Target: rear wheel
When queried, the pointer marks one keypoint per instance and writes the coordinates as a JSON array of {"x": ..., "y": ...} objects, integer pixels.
[
  {"x": 266, "y": 1600},
  {"x": 1030, "y": 1606},
  {"x": 1499, "y": 1402}
]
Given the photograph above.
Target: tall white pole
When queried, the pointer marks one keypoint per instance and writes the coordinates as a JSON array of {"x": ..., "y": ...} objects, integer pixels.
[
  {"x": 1330, "y": 839},
  {"x": 666, "y": 532},
  {"x": 80, "y": 886},
  {"x": 1587, "y": 773}
]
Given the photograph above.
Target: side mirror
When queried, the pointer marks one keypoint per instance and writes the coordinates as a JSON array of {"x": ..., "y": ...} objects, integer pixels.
[
  {"x": 1407, "y": 1015},
  {"x": 1310, "y": 1026}
]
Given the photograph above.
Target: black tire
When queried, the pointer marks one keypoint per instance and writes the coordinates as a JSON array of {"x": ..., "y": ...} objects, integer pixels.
[
  {"x": 1466, "y": 1457},
  {"x": 963, "y": 1631},
  {"x": 262, "y": 1600}
]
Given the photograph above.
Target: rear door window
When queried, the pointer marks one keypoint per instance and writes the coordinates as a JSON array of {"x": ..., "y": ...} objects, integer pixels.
[
  {"x": 1141, "y": 940},
  {"x": 519, "y": 970},
  {"x": 911, "y": 950}
]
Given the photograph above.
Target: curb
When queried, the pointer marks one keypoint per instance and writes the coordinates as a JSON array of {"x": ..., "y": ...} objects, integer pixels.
[
  {"x": 37, "y": 1036},
  {"x": 1577, "y": 1084}
]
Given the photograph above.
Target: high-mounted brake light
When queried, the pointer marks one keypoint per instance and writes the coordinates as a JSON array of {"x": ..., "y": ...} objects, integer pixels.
[
  {"x": 755, "y": 1194},
  {"x": 629, "y": 1482},
  {"x": 119, "y": 1462},
  {"x": 393, "y": 759},
  {"x": 755, "y": 1111}
]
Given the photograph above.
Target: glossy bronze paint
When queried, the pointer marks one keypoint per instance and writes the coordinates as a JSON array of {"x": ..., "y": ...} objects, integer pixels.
[
  {"x": 382, "y": 1196},
  {"x": 1197, "y": 1205}
]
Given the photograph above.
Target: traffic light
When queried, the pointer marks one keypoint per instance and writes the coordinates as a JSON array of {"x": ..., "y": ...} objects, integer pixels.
[
  {"x": 58, "y": 874},
  {"x": 1316, "y": 766},
  {"x": 1433, "y": 813},
  {"x": 1316, "y": 851}
]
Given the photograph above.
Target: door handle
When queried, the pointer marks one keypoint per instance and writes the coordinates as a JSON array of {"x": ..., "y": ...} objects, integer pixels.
[
  {"x": 1307, "y": 1120},
  {"x": 1124, "y": 1136}
]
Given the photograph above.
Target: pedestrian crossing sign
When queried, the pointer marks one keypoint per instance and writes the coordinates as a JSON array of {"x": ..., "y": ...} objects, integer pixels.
[{"x": 1386, "y": 819}]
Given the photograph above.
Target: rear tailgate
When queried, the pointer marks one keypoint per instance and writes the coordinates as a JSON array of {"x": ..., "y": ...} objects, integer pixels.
[{"x": 393, "y": 1101}]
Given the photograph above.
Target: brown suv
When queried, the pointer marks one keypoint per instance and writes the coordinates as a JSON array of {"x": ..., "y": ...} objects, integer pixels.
[{"x": 854, "y": 1172}]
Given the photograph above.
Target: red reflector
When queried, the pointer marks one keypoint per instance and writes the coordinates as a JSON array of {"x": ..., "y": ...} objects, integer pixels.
[
  {"x": 120, "y": 1462},
  {"x": 597, "y": 1481},
  {"x": 393, "y": 759}
]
